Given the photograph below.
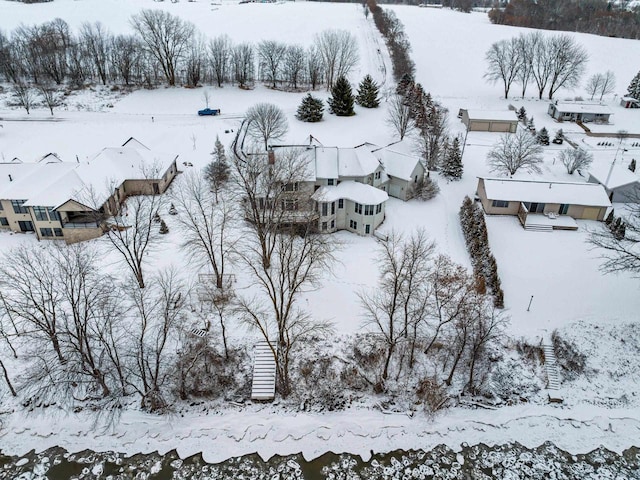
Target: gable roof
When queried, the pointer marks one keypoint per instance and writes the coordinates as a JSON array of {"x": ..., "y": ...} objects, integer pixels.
[
  {"x": 492, "y": 115},
  {"x": 587, "y": 194},
  {"x": 350, "y": 190},
  {"x": 620, "y": 174},
  {"x": 335, "y": 162},
  {"x": 396, "y": 164},
  {"x": 571, "y": 107}
]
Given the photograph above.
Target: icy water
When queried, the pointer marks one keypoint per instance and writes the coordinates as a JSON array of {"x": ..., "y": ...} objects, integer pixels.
[{"x": 477, "y": 462}]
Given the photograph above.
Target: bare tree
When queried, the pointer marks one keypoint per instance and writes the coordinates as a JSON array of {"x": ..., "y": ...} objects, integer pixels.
[
  {"x": 575, "y": 159},
  {"x": 96, "y": 42},
  {"x": 24, "y": 96},
  {"x": 339, "y": 52},
  {"x": 608, "y": 83},
  {"x": 242, "y": 61},
  {"x": 51, "y": 96},
  {"x": 125, "y": 57},
  {"x": 219, "y": 57},
  {"x": 593, "y": 84},
  {"x": 399, "y": 116},
  {"x": 526, "y": 47},
  {"x": 195, "y": 61},
  {"x": 293, "y": 68},
  {"x": 515, "y": 151},
  {"x": 207, "y": 225},
  {"x": 166, "y": 37},
  {"x": 315, "y": 67},
  {"x": 266, "y": 121},
  {"x": 505, "y": 60},
  {"x": 542, "y": 67},
  {"x": 271, "y": 55},
  {"x": 567, "y": 62}
]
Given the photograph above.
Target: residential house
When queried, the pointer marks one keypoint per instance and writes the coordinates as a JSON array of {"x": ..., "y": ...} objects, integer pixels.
[
  {"x": 579, "y": 112},
  {"x": 504, "y": 121},
  {"x": 629, "y": 102},
  {"x": 72, "y": 200},
  {"x": 552, "y": 204},
  {"x": 621, "y": 184}
]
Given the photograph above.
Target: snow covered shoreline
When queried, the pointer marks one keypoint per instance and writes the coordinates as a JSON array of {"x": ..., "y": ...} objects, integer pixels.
[{"x": 220, "y": 436}]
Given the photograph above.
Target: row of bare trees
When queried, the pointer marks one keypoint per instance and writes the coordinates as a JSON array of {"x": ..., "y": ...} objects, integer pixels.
[
  {"x": 425, "y": 305},
  {"x": 549, "y": 62},
  {"x": 165, "y": 48}
]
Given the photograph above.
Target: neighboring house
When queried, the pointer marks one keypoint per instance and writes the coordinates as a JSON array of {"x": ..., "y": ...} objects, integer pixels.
[
  {"x": 621, "y": 184},
  {"x": 629, "y": 102},
  {"x": 350, "y": 186},
  {"x": 579, "y": 112},
  {"x": 72, "y": 200},
  {"x": 504, "y": 121},
  {"x": 560, "y": 202}
]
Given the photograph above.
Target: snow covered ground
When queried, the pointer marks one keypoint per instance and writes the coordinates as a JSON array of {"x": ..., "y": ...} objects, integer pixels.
[{"x": 558, "y": 269}]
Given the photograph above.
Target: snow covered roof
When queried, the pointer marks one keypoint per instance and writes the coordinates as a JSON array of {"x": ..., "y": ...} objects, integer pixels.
[
  {"x": 350, "y": 190},
  {"x": 620, "y": 174},
  {"x": 571, "y": 107},
  {"x": 37, "y": 182},
  {"x": 589, "y": 194},
  {"x": 11, "y": 173},
  {"x": 397, "y": 164},
  {"x": 492, "y": 115},
  {"x": 335, "y": 162}
]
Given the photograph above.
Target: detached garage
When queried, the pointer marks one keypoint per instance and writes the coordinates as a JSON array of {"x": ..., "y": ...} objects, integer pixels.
[{"x": 503, "y": 121}]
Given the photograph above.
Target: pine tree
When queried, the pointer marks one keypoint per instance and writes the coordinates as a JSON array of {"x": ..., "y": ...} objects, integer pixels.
[
  {"x": 217, "y": 171},
  {"x": 559, "y": 138},
  {"x": 404, "y": 85},
  {"x": 341, "y": 100},
  {"x": 543, "y": 136},
  {"x": 156, "y": 217},
  {"x": 163, "y": 228},
  {"x": 452, "y": 167},
  {"x": 531, "y": 126},
  {"x": 632, "y": 165},
  {"x": 522, "y": 115},
  {"x": 610, "y": 218},
  {"x": 633, "y": 90},
  {"x": 310, "y": 109},
  {"x": 368, "y": 93},
  {"x": 172, "y": 210}
]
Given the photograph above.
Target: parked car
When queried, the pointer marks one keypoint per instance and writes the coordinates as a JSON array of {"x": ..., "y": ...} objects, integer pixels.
[{"x": 209, "y": 111}]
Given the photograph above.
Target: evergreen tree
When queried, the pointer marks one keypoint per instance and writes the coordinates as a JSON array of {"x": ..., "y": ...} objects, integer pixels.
[
  {"x": 452, "y": 167},
  {"x": 310, "y": 109},
  {"x": 610, "y": 218},
  {"x": 404, "y": 85},
  {"x": 156, "y": 218},
  {"x": 543, "y": 136},
  {"x": 522, "y": 115},
  {"x": 632, "y": 165},
  {"x": 368, "y": 93},
  {"x": 341, "y": 100},
  {"x": 559, "y": 138},
  {"x": 633, "y": 90},
  {"x": 217, "y": 171},
  {"x": 531, "y": 126},
  {"x": 163, "y": 227},
  {"x": 172, "y": 210}
]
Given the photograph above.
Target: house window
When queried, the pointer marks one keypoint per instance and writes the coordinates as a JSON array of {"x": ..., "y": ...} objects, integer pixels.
[
  {"x": 341, "y": 203},
  {"x": 368, "y": 209},
  {"x": 534, "y": 207},
  {"x": 330, "y": 182},
  {"x": 290, "y": 205},
  {"x": 290, "y": 187},
  {"x": 324, "y": 226},
  {"x": 25, "y": 226},
  {"x": 500, "y": 204},
  {"x": 324, "y": 209},
  {"x": 333, "y": 224},
  {"x": 333, "y": 208},
  {"x": 378, "y": 208},
  {"x": 57, "y": 232},
  {"x": 564, "y": 208},
  {"x": 353, "y": 225},
  {"x": 40, "y": 213},
  {"x": 46, "y": 232},
  {"x": 53, "y": 215},
  {"x": 367, "y": 229},
  {"x": 4, "y": 222},
  {"x": 17, "y": 206},
  {"x": 415, "y": 179},
  {"x": 156, "y": 189},
  {"x": 358, "y": 208},
  {"x": 377, "y": 175}
]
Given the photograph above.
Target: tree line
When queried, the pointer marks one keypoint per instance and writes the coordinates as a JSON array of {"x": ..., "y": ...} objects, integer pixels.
[
  {"x": 547, "y": 62},
  {"x": 163, "y": 48},
  {"x": 600, "y": 17}
]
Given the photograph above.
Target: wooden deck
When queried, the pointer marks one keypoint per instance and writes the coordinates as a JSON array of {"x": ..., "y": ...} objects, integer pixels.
[{"x": 264, "y": 373}]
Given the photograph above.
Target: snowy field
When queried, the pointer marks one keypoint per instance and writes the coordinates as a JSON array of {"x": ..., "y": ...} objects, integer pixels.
[{"x": 558, "y": 269}]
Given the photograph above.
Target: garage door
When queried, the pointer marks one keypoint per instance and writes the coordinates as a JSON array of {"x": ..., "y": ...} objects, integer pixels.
[
  {"x": 590, "y": 213},
  {"x": 500, "y": 127},
  {"x": 395, "y": 190},
  {"x": 479, "y": 126}
]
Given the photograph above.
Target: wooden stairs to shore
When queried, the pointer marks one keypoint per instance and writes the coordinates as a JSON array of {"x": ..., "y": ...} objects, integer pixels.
[
  {"x": 264, "y": 373},
  {"x": 551, "y": 367}
]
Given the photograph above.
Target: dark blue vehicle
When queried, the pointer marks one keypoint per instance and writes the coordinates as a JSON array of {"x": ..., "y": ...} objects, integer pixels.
[{"x": 209, "y": 111}]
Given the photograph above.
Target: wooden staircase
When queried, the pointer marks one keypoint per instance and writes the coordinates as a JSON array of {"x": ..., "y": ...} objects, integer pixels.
[
  {"x": 538, "y": 228},
  {"x": 264, "y": 373},
  {"x": 551, "y": 366}
]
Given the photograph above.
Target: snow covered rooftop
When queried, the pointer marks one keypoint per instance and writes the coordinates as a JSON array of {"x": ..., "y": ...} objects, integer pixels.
[
  {"x": 590, "y": 194},
  {"x": 38, "y": 181},
  {"x": 335, "y": 162},
  {"x": 571, "y": 107},
  {"x": 350, "y": 190},
  {"x": 12, "y": 172},
  {"x": 500, "y": 115},
  {"x": 396, "y": 164},
  {"x": 620, "y": 174}
]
